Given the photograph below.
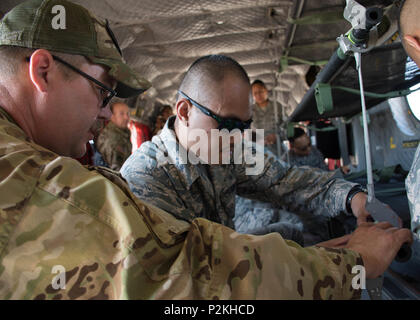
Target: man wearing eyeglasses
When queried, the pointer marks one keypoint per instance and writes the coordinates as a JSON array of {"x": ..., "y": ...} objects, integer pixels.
[
  {"x": 114, "y": 141},
  {"x": 68, "y": 232}
]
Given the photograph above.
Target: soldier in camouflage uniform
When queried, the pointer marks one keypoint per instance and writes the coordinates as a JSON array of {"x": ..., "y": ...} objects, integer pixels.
[
  {"x": 264, "y": 117},
  {"x": 114, "y": 141},
  {"x": 157, "y": 172},
  {"x": 410, "y": 35},
  {"x": 71, "y": 232}
]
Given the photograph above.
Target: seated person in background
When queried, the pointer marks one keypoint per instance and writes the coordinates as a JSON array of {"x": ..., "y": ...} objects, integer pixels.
[
  {"x": 114, "y": 141},
  {"x": 157, "y": 174},
  {"x": 303, "y": 153}
]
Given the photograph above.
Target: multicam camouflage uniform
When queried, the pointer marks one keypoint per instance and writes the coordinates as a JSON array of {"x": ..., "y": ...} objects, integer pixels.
[
  {"x": 412, "y": 184},
  {"x": 114, "y": 145},
  {"x": 55, "y": 212},
  {"x": 189, "y": 191}
]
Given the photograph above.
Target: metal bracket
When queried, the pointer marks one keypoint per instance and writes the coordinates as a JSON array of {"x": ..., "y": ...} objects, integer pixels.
[{"x": 355, "y": 14}]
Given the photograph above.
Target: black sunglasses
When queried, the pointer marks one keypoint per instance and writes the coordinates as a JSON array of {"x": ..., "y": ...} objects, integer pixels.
[
  {"x": 105, "y": 91},
  {"x": 224, "y": 123}
]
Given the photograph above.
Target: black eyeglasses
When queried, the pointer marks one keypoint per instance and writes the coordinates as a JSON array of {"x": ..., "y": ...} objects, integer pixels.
[
  {"x": 106, "y": 92},
  {"x": 224, "y": 123}
]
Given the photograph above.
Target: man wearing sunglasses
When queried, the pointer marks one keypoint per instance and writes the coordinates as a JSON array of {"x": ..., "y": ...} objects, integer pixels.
[{"x": 214, "y": 95}]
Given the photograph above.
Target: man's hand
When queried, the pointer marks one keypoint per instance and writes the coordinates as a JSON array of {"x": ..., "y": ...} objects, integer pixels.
[
  {"x": 358, "y": 206},
  {"x": 270, "y": 139},
  {"x": 336, "y": 243},
  {"x": 378, "y": 244}
]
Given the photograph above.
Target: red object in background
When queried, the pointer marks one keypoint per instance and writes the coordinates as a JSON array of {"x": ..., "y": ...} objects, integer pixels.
[
  {"x": 87, "y": 159},
  {"x": 334, "y": 164},
  {"x": 139, "y": 133}
]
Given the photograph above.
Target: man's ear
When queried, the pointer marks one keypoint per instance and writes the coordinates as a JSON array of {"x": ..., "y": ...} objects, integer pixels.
[
  {"x": 41, "y": 66},
  {"x": 413, "y": 42},
  {"x": 183, "y": 111}
]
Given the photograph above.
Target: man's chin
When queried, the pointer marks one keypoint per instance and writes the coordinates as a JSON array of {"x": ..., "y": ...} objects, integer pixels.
[
  {"x": 79, "y": 150},
  {"x": 79, "y": 153}
]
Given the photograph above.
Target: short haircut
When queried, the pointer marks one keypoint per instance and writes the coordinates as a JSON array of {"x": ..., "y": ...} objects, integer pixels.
[
  {"x": 212, "y": 68},
  {"x": 12, "y": 58},
  {"x": 259, "y": 82},
  {"x": 298, "y": 132}
]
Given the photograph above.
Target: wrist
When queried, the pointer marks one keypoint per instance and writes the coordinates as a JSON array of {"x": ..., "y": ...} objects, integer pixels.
[{"x": 355, "y": 190}]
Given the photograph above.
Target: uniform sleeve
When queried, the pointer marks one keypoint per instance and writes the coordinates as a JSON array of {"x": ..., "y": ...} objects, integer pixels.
[
  {"x": 152, "y": 185},
  {"x": 244, "y": 266},
  {"x": 296, "y": 188}
]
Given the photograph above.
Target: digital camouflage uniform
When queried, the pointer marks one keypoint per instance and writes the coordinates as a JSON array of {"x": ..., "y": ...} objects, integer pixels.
[
  {"x": 412, "y": 184},
  {"x": 53, "y": 211},
  {"x": 114, "y": 145},
  {"x": 254, "y": 216},
  {"x": 189, "y": 191}
]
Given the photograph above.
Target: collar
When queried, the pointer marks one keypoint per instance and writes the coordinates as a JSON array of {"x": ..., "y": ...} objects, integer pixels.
[
  {"x": 18, "y": 133},
  {"x": 178, "y": 156},
  {"x": 114, "y": 127},
  {"x": 264, "y": 108},
  {"x": 6, "y": 116}
]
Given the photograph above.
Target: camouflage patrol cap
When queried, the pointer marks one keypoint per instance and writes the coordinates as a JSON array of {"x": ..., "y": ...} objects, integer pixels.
[{"x": 36, "y": 24}]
